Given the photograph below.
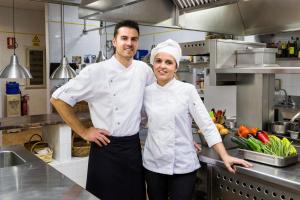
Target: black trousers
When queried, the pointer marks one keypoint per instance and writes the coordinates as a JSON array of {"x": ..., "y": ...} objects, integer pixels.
[
  {"x": 115, "y": 172},
  {"x": 170, "y": 187}
]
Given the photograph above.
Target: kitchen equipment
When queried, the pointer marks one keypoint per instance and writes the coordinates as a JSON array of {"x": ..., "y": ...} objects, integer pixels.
[
  {"x": 12, "y": 88},
  {"x": 269, "y": 159},
  {"x": 293, "y": 134},
  {"x": 230, "y": 123},
  {"x": 255, "y": 57},
  {"x": 13, "y": 105},
  {"x": 279, "y": 127}
]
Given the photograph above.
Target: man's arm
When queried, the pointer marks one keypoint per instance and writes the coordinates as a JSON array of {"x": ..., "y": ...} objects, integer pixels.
[{"x": 90, "y": 134}]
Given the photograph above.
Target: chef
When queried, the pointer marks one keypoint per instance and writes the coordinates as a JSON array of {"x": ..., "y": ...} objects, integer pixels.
[
  {"x": 114, "y": 91},
  {"x": 169, "y": 157}
]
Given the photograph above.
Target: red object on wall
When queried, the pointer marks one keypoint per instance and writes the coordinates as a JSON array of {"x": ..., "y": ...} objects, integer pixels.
[
  {"x": 11, "y": 43},
  {"x": 24, "y": 103}
]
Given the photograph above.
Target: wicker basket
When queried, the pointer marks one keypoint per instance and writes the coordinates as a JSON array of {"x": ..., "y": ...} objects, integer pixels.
[
  {"x": 31, "y": 141},
  {"x": 44, "y": 153},
  {"x": 39, "y": 148},
  {"x": 80, "y": 147}
]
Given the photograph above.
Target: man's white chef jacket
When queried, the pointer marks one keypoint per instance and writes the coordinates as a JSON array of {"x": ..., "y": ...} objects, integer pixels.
[
  {"x": 169, "y": 147},
  {"x": 114, "y": 94}
]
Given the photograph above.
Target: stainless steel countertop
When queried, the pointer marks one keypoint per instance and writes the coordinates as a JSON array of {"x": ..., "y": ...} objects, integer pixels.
[
  {"x": 36, "y": 180},
  {"x": 288, "y": 177}
]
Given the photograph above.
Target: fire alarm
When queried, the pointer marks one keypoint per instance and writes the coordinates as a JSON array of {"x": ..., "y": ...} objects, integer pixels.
[{"x": 11, "y": 43}]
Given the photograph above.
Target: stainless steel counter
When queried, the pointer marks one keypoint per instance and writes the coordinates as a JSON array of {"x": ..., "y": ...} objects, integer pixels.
[
  {"x": 285, "y": 179},
  {"x": 35, "y": 180}
]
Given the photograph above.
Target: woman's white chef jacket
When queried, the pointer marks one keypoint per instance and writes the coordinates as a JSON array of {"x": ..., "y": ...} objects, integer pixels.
[
  {"x": 114, "y": 94},
  {"x": 169, "y": 147}
]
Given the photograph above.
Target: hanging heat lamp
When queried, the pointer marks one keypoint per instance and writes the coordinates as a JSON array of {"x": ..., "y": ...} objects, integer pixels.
[
  {"x": 14, "y": 69},
  {"x": 64, "y": 71}
]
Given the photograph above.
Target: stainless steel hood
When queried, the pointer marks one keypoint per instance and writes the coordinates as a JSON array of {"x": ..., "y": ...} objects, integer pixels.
[
  {"x": 188, "y": 5},
  {"x": 238, "y": 17},
  {"x": 146, "y": 11},
  {"x": 105, "y": 5}
]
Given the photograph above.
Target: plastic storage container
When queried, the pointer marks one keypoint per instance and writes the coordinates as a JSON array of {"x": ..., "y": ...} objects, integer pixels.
[{"x": 12, "y": 88}]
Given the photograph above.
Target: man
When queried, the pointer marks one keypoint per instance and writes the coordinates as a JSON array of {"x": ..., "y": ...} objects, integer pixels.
[{"x": 114, "y": 91}]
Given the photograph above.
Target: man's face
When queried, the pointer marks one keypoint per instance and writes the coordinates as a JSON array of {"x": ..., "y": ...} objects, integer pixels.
[{"x": 126, "y": 42}]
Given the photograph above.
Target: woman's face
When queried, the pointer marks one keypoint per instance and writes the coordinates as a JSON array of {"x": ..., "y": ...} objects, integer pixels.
[{"x": 164, "y": 67}]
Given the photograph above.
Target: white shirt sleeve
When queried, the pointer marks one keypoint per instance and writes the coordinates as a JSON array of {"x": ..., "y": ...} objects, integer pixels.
[
  {"x": 202, "y": 119},
  {"x": 77, "y": 89}
]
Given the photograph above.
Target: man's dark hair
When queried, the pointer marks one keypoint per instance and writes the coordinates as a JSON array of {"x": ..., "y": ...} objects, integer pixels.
[{"x": 126, "y": 23}]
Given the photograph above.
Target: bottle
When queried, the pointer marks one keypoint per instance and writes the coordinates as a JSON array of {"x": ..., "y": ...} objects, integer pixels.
[
  {"x": 283, "y": 50},
  {"x": 291, "y": 48},
  {"x": 297, "y": 47},
  {"x": 279, "y": 52}
]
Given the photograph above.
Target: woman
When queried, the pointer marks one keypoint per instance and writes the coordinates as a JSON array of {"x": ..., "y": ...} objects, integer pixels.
[{"x": 170, "y": 158}]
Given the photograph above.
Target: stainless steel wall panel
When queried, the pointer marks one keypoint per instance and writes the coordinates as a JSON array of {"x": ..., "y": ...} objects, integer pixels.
[{"x": 255, "y": 99}]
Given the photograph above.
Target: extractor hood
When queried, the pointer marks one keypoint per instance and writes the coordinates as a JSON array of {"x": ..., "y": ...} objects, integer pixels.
[
  {"x": 188, "y": 5},
  {"x": 238, "y": 17},
  {"x": 146, "y": 11},
  {"x": 105, "y": 5}
]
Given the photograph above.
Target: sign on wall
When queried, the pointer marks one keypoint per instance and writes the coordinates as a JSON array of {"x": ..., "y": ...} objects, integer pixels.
[{"x": 36, "y": 41}]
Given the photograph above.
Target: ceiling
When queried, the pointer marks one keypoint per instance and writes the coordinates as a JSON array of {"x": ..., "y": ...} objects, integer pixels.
[{"x": 33, "y": 4}]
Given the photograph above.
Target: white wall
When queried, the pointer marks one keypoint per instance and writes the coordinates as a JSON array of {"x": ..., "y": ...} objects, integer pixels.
[
  {"x": 77, "y": 44},
  {"x": 28, "y": 23}
]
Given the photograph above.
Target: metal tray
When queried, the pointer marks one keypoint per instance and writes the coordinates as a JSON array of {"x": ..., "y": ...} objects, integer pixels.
[{"x": 269, "y": 159}]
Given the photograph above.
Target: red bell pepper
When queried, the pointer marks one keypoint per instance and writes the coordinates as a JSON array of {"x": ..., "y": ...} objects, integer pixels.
[{"x": 263, "y": 137}]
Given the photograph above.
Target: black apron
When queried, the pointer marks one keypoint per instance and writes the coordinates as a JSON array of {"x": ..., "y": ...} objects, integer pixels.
[{"x": 115, "y": 171}]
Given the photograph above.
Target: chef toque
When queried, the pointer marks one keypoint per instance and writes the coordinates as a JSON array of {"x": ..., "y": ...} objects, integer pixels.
[{"x": 169, "y": 46}]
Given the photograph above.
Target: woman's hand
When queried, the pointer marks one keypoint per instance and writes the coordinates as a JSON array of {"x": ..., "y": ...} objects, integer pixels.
[
  {"x": 230, "y": 163},
  {"x": 96, "y": 135},
  {"x": 228, "y": 160}
]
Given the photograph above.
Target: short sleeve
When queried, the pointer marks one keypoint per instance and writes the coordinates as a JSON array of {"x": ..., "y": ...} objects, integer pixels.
[
  {"x": 202, "y": 118},
  {"x": 77, "y": 89}
]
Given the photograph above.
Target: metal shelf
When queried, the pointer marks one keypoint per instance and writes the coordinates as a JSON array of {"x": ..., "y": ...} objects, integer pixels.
[{"x": 259, "y": 70}]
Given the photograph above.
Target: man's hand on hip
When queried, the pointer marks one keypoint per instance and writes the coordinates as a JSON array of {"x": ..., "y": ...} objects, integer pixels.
[{"x": 97, "y": 135}]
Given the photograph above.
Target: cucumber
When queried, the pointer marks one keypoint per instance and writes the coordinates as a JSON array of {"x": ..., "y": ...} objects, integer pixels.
[{"x": 241, "y": 142}]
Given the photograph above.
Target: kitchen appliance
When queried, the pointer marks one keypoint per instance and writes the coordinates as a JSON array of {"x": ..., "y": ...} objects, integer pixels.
[
  {"x": 259, "y": 57},
  {"x": 294, "y": 134},
  {"x": 13, "y": 105},
  {"x": 279, "y": 127}
]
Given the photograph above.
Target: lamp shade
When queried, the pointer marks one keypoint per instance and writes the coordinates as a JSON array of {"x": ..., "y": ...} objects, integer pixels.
[
  {"x": 14, "y": 69},
  {"x": 100, "y": 57},
  {"x": 64, "y": 71}
]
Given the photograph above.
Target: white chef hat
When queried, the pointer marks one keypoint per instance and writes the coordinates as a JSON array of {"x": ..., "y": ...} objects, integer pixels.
[{"x": 168, "y": 46}]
